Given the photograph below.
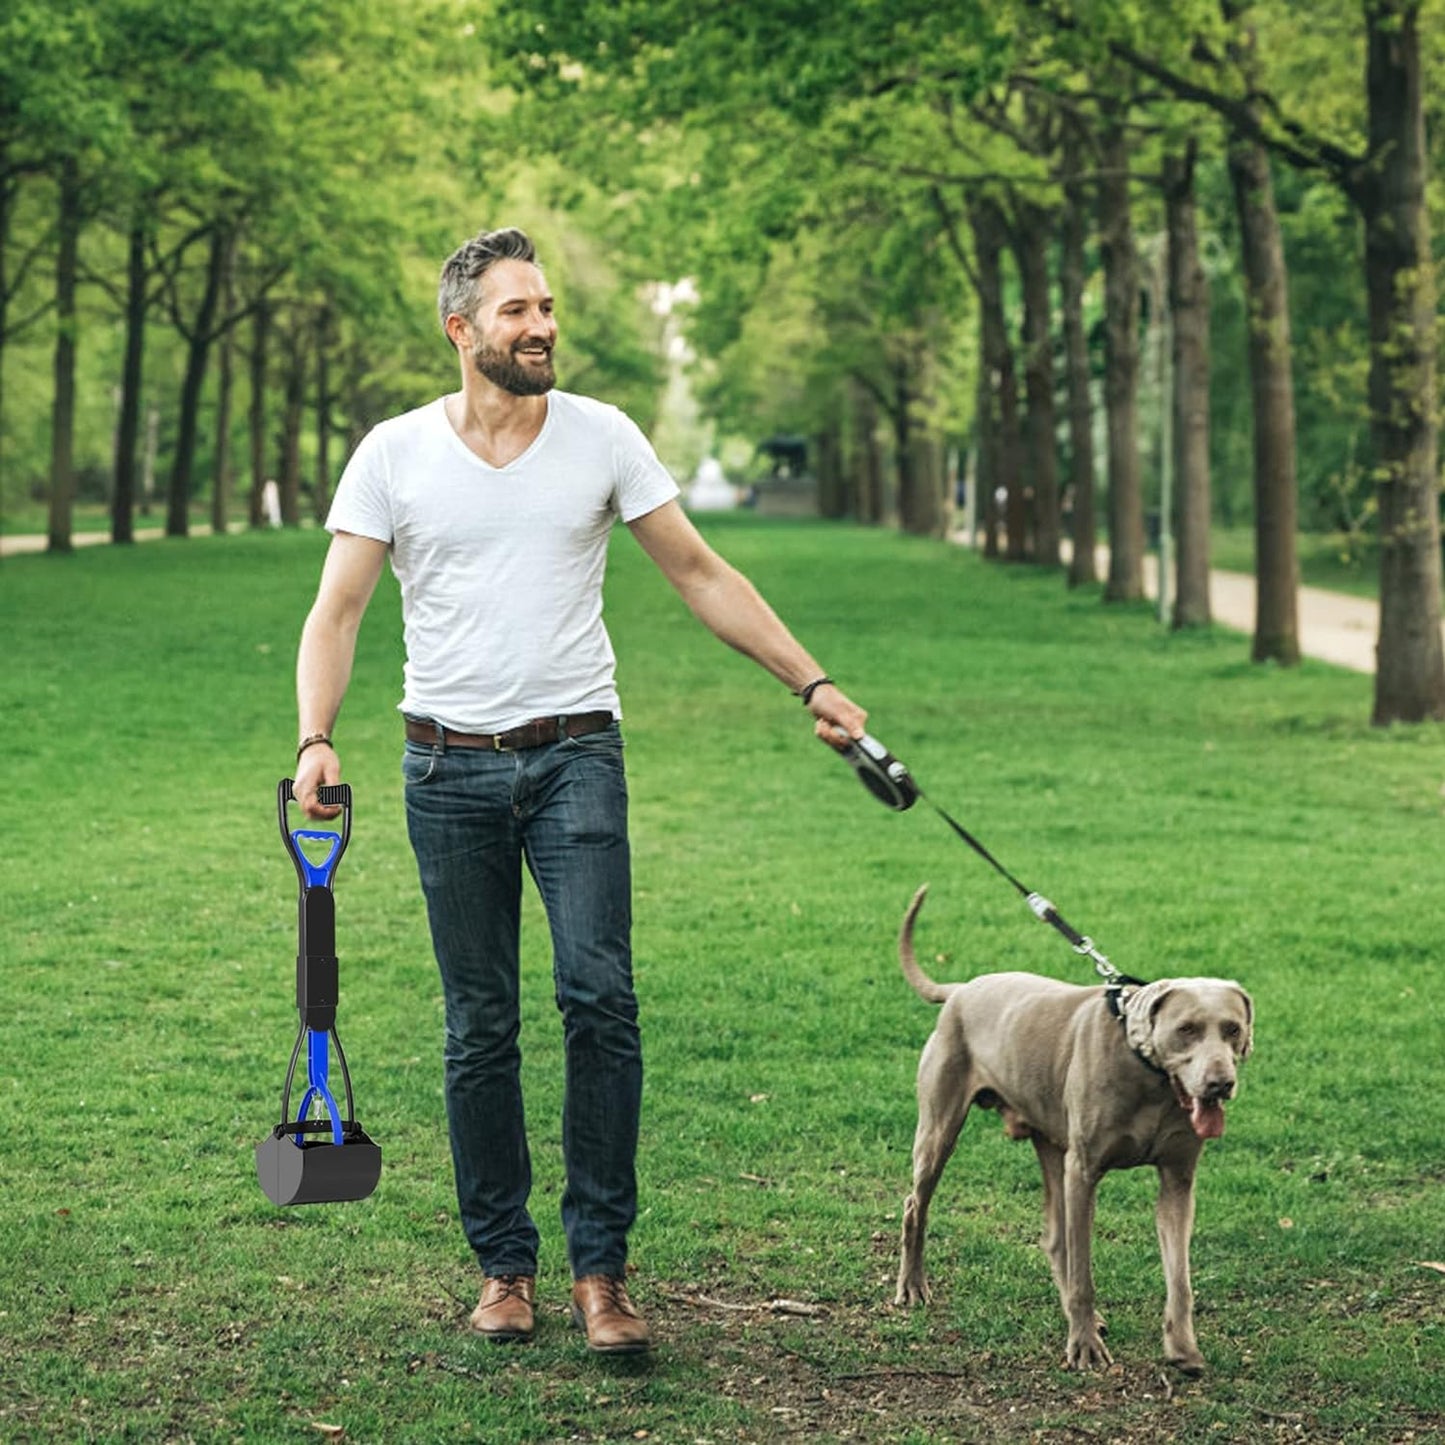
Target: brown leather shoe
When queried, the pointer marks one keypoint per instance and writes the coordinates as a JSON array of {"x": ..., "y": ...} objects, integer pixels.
[
  {"x": 505, "y": 1313},
  {"x": 601, "y": 1307}
]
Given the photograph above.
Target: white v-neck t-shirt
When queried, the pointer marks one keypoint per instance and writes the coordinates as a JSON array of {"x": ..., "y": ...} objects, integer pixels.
[{"x": 501, "y": 568}]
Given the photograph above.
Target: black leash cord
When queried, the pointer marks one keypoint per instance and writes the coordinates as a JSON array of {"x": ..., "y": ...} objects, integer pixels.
[
  {"x": 890, "y": 781},
  {"x": 1038, "y": 904}
]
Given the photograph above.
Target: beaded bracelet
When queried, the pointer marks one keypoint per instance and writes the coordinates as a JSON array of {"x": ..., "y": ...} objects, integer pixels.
[{"x": 311, "y": 742}]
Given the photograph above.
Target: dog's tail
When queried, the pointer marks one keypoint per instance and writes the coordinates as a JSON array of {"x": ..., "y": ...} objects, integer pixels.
[{"x": 919, "y": 981}]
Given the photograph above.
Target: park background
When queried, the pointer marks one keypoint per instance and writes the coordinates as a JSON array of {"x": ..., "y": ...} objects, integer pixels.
[{"x": 1035, "y": 274}]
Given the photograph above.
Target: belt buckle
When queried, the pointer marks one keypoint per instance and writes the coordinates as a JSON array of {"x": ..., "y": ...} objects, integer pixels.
[{"x": 498, "y": 746}]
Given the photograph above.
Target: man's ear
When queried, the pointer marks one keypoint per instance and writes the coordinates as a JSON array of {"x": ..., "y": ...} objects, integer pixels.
[{"x": 457, "y": 329}]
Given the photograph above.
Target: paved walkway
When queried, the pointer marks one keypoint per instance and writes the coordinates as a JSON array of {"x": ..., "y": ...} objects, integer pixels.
[
  {"x": 1334, "y": 627},
  {"x": 37, "y": 541}
]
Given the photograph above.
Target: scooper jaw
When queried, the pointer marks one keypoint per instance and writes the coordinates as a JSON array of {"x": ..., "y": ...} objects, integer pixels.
[{"x": 343, "y": 1162}]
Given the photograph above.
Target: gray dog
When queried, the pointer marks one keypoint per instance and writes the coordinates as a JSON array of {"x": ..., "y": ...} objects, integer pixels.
[{"x": 1096, "y": 1087}]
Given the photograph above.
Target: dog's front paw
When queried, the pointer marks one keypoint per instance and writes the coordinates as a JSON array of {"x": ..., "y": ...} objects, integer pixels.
[
  {"x": 1187, "y": 1364},
  {"x": 912, "y": 1290},
  {"x": 1086, "y": 1351}
]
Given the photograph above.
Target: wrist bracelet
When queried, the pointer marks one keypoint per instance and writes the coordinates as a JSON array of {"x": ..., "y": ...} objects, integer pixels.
[
  {"x": 806, "y": 692},
  {"x": 311, "y": 742}
]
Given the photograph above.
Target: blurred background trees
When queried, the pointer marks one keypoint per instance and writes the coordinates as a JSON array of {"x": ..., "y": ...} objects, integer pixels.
[{"x": 1049, "y": 271}]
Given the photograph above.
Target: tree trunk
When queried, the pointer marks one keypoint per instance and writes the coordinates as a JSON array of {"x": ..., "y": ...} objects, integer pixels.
[
  {"x": 990, "y": 234},
  {"x": 221, "y": 469},
  {"x": 321, "y": 492},
  {"x": 924, "y": 514},
  {"x": 198, "y": 351},
  {"x": 127, "y": 437},
  {"x": 903, "y": 454},
  {"x": 1266, "y": 284},
  {"x": 1189, "y": 308},
  {"x": 256, "y": 419},
  {"x": 1072, "y": 276},
  {"x": 149, "y": 451},
  {"x": 1121, "y": 374},
  {"x": 62, "y": 418},
  {"x": 832, "y": 486},
  {"x": 289, "y": 461},
  {"x": 986, "y": 468},
  {"x": 1031, "y": 242},
  {"x": 1399, "y": 270},
  {"x": 867, "y": 463},
  {"x": 7, "y": 198}
]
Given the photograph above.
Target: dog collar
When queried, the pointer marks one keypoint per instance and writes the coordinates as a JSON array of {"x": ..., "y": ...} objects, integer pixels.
[{"x": 1114, "y": 998}]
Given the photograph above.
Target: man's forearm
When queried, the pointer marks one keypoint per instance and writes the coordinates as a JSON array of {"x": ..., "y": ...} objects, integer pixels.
[
  {"x": 734, "y": 611},
  {"x": 323, "y": 672}
]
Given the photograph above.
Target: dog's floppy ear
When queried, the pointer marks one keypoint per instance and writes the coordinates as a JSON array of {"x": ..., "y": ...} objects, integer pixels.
[
  {"x": 1248, "y": 1046},
  {"x": 1141, "y": 1007}
]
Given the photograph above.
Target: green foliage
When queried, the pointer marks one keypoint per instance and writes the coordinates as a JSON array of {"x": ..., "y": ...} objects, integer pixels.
[{"x": 781, "y": 157}]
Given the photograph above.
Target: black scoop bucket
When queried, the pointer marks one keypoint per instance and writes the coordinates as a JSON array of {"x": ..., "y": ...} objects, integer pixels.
[{"x": 342, "y": 1162}]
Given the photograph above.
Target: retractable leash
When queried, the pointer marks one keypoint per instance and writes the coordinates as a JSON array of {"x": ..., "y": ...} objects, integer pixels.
[
  {"x": 344, "y": 1163},
  {"x": 889, "y": 780}
]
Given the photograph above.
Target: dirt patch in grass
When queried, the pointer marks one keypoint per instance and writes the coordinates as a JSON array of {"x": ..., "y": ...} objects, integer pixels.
[{"x": 795, "y": 1370}]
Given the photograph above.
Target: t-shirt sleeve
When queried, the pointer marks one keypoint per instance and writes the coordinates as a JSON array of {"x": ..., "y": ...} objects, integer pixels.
[
  {"x": 363, "y": 497},
  {"x": 643, "y": 483}
]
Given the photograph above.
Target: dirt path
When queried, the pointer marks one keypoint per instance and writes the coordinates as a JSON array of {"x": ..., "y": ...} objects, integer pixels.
[
  {"x": 36, "y": 541},
  {"x": 1334, "y": 626}
]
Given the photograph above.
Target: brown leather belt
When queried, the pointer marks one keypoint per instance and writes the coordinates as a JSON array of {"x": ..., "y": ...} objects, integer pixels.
[{"x": 526, "y": 735}]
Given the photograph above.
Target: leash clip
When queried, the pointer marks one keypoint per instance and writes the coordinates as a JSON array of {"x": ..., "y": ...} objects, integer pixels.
[{"x": 1102, "y": 966}]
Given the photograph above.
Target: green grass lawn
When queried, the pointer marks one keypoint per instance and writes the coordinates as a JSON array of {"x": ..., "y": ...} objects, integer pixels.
[{"x": 1194, "y": 813}]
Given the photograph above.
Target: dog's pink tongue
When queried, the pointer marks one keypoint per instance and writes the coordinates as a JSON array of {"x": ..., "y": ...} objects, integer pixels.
[{"x": 1207, "y": 1118}]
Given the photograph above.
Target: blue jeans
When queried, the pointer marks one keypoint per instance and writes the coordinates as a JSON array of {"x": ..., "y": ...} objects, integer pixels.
[{"x": 473, "y": 817}]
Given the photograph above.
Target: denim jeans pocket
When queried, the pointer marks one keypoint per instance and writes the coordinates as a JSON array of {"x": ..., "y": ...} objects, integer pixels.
[
  {"x": 608, "y": 740},
  {"x": 419, "y": 764}
]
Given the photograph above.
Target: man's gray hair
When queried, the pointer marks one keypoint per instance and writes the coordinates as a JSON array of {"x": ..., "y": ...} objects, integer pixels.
[{"x": 462, "y": 274}]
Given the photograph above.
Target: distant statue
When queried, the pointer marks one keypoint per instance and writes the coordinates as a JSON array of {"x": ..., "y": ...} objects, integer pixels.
[{"x": 710, "y": 490}]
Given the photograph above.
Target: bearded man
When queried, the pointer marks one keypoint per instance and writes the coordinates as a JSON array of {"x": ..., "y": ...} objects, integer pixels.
[{"x": 495, "y": 504}]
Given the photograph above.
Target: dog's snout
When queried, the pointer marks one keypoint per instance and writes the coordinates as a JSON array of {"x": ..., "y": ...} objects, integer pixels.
[{"x": 1217, "y": 1090}]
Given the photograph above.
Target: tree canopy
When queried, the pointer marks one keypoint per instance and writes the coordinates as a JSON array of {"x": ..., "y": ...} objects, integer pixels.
[{"x": 932, "y": 240}]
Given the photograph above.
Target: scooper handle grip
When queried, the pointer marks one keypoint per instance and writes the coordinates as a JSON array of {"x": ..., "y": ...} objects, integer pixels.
[{"x": 315, "y": 875}]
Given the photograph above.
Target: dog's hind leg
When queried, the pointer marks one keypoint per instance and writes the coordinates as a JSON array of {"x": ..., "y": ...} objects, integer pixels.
[{"x": 944, "y": 1097}]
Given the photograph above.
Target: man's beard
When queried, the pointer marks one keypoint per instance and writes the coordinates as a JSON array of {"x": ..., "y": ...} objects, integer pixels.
[{"x": 504, "y": 370}]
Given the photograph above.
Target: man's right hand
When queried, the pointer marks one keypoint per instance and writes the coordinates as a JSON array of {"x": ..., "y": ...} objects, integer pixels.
[{"x": 317, "y": 767}]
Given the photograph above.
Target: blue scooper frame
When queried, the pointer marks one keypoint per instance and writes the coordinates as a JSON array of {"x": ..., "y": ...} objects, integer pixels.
[{"x": 343, "y": 1163}]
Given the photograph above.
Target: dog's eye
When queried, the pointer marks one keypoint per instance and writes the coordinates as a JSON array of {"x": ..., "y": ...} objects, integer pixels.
[
  {"x": 1188, "y": 1031},
  {"x": 1230, "y": 1031}
]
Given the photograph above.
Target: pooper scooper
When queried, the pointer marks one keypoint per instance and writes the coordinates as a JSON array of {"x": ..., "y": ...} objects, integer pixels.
[{"x": 328, "y": 1159}]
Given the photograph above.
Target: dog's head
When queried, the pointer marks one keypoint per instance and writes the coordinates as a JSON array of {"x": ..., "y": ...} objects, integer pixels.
[{"x": 1197, "y": 1030}]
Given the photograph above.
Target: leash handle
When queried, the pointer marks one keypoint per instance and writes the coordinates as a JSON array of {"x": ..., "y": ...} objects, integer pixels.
[{"x": 880, "y": 772}]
